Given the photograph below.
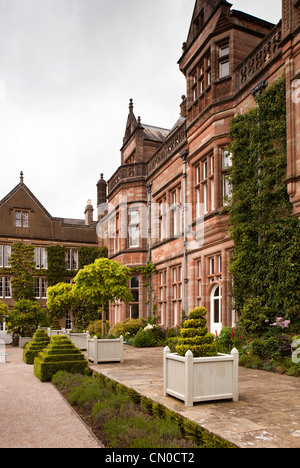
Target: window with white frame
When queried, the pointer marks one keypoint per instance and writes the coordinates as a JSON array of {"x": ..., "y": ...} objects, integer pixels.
[
  {"x": 163, "y": 218},
  {"x": 224, "y": 61},
  {"x": 44, "y": 286},
  {"x": 163, "y": 295},
  {"x": 7, "y": 288},
  {"x": 72, "y": 259},
  {"x": 205, "y": 187},
  {"x": 41, "y": 258},
  {"x": 36, "y": 288},
  {"x": 177, "y": 293},
  {"x": 116, "y": 236},
  {"x": 199, "y": 282},
  {"x": 5, "y": 254},
  {"x": 176, "y": 213},
  {"x": 134, "y": 228},
  {"x": 215, "y": 268},
  {"x": 40, "y": 288},
  {"x": 68, "y": 320},
  {"x": 134, "y": 289},
  {"x": 22, "y": 218},
  {"x": 226, "y": 186}
]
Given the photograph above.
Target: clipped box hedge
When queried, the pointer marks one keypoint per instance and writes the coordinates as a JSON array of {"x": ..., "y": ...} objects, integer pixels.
[
  {"x": 33, "y": 348},
  {"x": 195, "y": 336},
  {"x": 60, "y": 355}
]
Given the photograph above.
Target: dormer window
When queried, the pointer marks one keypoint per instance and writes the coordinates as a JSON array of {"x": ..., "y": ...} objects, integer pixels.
[
  {"x": 199, "y": 23},
  {"x": 22, "y": 218}
]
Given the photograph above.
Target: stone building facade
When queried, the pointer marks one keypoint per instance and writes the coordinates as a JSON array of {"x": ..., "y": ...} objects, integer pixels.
[
  {"x": 165, "y": 201},
  {"x": 24, "y": 219}
]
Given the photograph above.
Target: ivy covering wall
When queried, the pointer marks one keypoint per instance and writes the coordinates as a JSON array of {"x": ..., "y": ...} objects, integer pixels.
[
  {"x": 265, "y": 260},
  {"x": 57, "y": 271},
  {"x": 22, "y": 271}
]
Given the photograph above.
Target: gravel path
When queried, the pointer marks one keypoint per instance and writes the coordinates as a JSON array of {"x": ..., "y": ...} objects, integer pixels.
[{"x": 34, "y": 414}]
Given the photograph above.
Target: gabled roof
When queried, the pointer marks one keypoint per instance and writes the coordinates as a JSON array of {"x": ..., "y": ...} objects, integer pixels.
[
  {"x": 202, "y": 12},
  {"x": 22, "y": 186},
  {"x": 150, "y": 132},
  {"x": 131, "y": 124}
]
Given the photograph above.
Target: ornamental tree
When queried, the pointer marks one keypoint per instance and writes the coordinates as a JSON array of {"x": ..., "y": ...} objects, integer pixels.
[
  {"x": 59, "y": 299},
  {"x": 102, "y": 282},
  {"x": 195, "y": 336},
  {"x": 25, "y": 318}
]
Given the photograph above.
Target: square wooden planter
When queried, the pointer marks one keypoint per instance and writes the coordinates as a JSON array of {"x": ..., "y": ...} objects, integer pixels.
[
  {"x": 105, "y": 350},
  {"x": 23, "y": 340},
  {"x": 201, "y": 379}
]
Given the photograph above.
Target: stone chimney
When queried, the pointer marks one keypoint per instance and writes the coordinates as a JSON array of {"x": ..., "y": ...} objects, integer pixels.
[
  {"x": 89, "y": 210},
  {"x": 101, "y": 191}
]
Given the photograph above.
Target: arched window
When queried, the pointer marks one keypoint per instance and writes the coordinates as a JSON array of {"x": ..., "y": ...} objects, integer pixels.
[{"x": 216, "y": 309}]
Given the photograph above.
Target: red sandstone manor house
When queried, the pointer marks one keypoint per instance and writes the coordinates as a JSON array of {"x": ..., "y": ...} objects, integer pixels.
[{"x": 165, "y": 200}]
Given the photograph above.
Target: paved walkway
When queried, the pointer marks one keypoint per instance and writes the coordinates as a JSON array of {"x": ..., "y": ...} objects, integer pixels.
[
  {"x": 34, "y": 414},
  {"x": 267, "y": 414}
]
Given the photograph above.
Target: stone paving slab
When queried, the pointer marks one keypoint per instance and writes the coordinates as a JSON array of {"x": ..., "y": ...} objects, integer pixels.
[
  {"x": 34, "y": 414},
  {"x": 267, "y": 414}
]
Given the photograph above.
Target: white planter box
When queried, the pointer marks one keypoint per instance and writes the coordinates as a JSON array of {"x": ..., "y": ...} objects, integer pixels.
[
  {"x": 23, "y": 340},
  {"x": 105, "y": 350},
  {"x": 56, "y": 332},
  {"x": 201, "y": 379},
  {"x": 80, "y": 340}
]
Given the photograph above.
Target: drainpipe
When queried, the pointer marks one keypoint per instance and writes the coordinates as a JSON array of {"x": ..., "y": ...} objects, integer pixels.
[
  {"x": 184, "y": 156},
  {"x": 149, "y": 190}
]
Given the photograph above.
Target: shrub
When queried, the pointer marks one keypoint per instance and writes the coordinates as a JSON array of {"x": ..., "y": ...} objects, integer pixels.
[
  {"x": 61, "y": 354},
  {"x": 172, "y": 343},
  {"x": 150, "y": 336},
  {"x": 55, "y": 325},
  {"x": 39, "y": 342},
  {"x": 95, "y": 328},
  {"x": 128, "y": 328},
  {"x": 195, "y": 336},
  {"x": 25, "y": 318}
]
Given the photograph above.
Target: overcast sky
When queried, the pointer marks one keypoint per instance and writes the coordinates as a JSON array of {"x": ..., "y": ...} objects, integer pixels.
[{"x": 67, "y": 71}]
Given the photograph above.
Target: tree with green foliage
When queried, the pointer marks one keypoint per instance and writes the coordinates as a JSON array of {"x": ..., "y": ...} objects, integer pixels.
[
  {"x": 59, "y": 300},
  {"x": 102, "y": 282},
  {"x": 25, "y": 318},
  {"x": 265, "y": 259}
]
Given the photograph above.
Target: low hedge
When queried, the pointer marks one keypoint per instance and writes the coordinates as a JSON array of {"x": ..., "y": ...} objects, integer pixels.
[
  {"x": 60, "y": 355},
  {"x": 33, "y": 348}
]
